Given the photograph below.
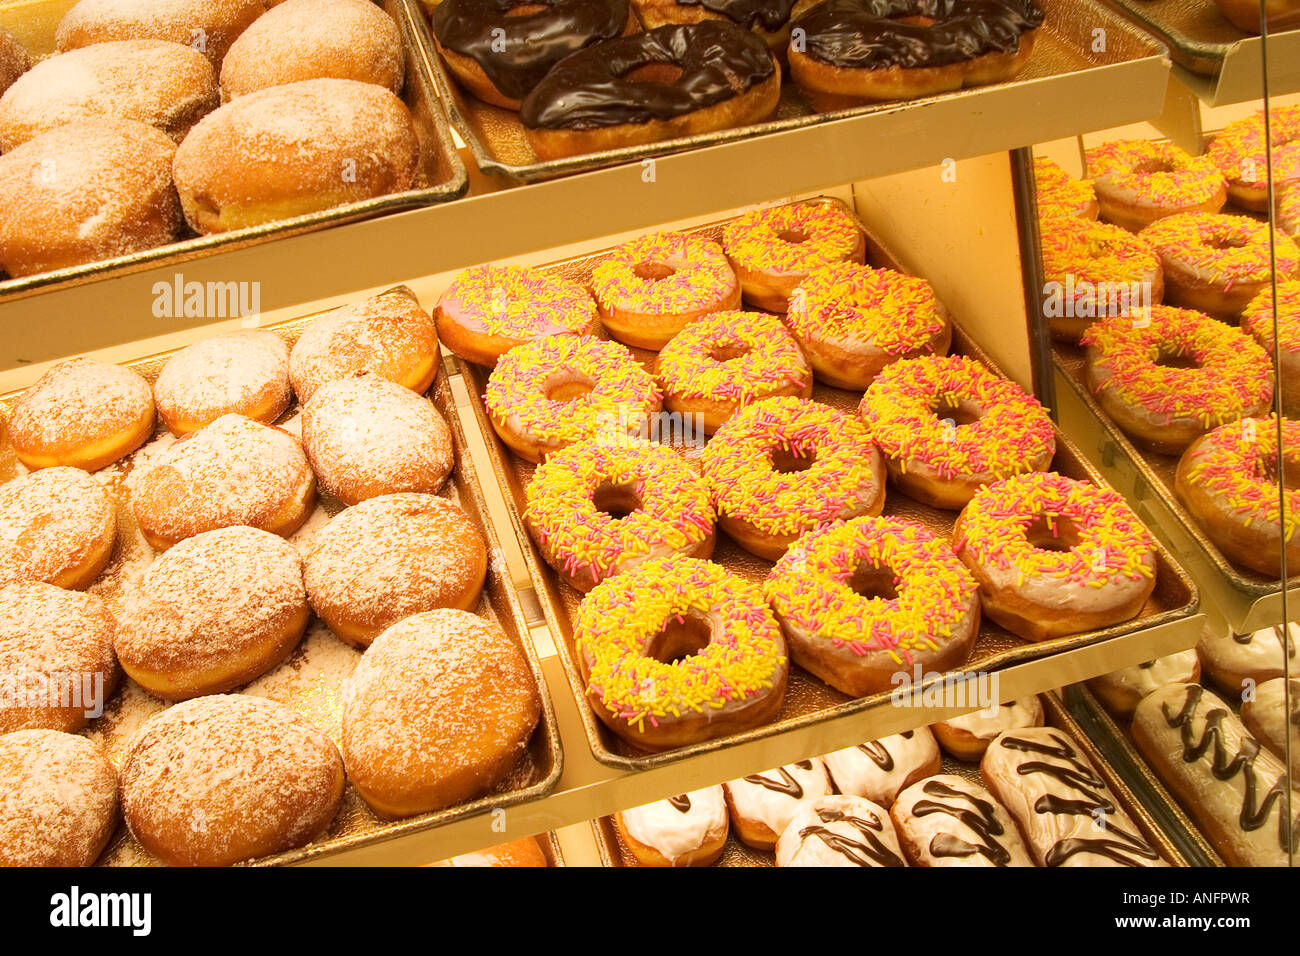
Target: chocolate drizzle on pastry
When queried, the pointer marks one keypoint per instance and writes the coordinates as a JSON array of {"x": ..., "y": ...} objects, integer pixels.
[
  {"x": 681, "y": 803},
  {"x": 787, "y": 785},
  {"x": 862, "y": 852},
  {"x": 980, "y": 816},
  {"x": 592, "y": 88},
  {"x": 517, "y": 51},
  {"x": 771, "y": 15},
  {"x": 875, "y": 34}
]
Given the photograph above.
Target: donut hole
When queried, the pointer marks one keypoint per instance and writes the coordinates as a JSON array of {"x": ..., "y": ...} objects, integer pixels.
[
  {"x": 568, "y": 389},
  {"x": 1154, "y": 166},
  {"x": 872, "y": 581},
  {"x": 526, "y": 9},
  {"x": 1171, "y": 357},
  {"x": 792, "y": 236},
  {"x": 666, "y": 73},
  {"x": 728, "y": 351},
  {"x": 617, "y": 501},
  {"x": 1226, "y": 242},
  {"x": 1286, "y": 473},
  {"x": 953, "y": 409},
  {"x": 788, "y": 461},
  {"x": 1061, "y": 534},
  {"x": 653, "y": 270},
  {"x": 680, "y": 638}
]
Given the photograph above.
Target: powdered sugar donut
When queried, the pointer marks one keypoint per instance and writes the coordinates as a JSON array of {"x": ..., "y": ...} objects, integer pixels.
[
  {"x": 220, "y": 779},
  {"x": 58, "y": 799},
  {"x": 233, "y": 471},
  {"x": 390, "y": 557},
  {"x": 58, "y": 526},
  {"x": 313, "y": 39},
  {"x": 388, "y": 334},
  {"x": 56, "y": 657},
  {"x": 367, "y": 436},
  {"x": 839, "y": 830},
  {"x": 209, "y": 26},
  {"x": 82, "y": 412},
  {"x": 213, "y": 613},
  {"x": 245, "y": 372},
  {"x": 438, "y": 711},
  {"x": 86, "y": 191},
  {"x": 881, "y": 769},
  {"x": 166, "y": 85}
]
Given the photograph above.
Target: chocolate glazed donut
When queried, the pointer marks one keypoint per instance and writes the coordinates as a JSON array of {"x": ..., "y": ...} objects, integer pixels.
[
  {"x": 770, "y": 19},
  {"x": 667, "y": 82},
  {"x": 848, "y": 52},
  {"x": 501, "y": 49}
]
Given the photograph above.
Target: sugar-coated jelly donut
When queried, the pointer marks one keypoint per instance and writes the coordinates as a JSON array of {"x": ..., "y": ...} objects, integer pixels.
[
  {"x": 57, "y": 526},
  {"x": 245, "y": 372}
]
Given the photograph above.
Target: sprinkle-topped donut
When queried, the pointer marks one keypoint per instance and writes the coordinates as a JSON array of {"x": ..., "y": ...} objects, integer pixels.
[
  {"x": 947, "y": 425},
  {"x": 1242, "y": 155},
  {"x": 863, "y": 600},
  {"x": 1215, "y": 263},
  {"x": 786, "y": 466},
  {"x": 1287, "y": 216},
  {"x": 1172, "y": 377},
  {"x": 563, "y": 389},
  {"x": 1138, "y": 182},
  {"x": 679, "y": 650},
  {"x": 488, "y": 310},
  {"x": 1258, "y": 320},
  {"x": 1054, "y": 555},
  {"x": 1093, "y": 269},
  {"x": 772, "y": 249},
  {"x": 596, "y": 510},
  {"x": 1229, "y": 481},
  {"x": 1060, "y": 194},
  {"x": 653, "y": 286},
  {"x": 727, "y": 360},
  {"x": 853, "y": 320}
]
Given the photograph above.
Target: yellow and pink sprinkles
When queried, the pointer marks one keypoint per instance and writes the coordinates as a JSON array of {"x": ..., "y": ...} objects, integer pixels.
[
  {"x": 894, "y": 312},
  {"x": 1259, "y": 316},
  {"x": 700, "y": 275},
  {"x": 518, "y": 303},
  {"x": 1239, "y": 151},
  {"x": 1177, "y": 180},
  {"x": 767, "y": 359},
  {"x": 1224, "y": 249},
  {"x": 1238, "y": 466},
  {"x": 1095, "y": 252},
  {"x": 759, "y": 239},
  {"x": 1060, "y": 194}
]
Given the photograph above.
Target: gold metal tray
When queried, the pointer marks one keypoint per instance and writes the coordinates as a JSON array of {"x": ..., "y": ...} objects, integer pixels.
[
  {"x": 310, "y": 679},
  {"x": 613, "y": 851},
  {"x": 1199, "y": 37},
  {"x": 807, "y": 700},
  {"x": 1063, "y": 46},
  {"x": 441, "y": 177}
]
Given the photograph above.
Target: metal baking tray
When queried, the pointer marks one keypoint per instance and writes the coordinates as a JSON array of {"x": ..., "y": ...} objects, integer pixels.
[
  {"x": 1200, "y": 38},
  {"x": 310, "y": 679},
  {"x": 808, "y": 700},
  {"x": 613, "y": 851},
  {"x": 1063, "y": 46},
  {"x": 1122, "y": 757},
  {"x": 441, "y": 175}
]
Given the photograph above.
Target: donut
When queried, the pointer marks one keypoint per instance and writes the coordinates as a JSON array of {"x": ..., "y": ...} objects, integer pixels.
[
  {"x": 1273, "y": 717},
  {"x": 853, "y": 52},
  {"x": 1138, "y": 182},
  {"x": 57, "y": 526},
  {"x": 208, "y": 26},
  {"x": 367, "y": 436},
  {"x": 651, "y": 288},
  {"x": 1119, "y": 691},
  {"x": 1055, "y": 556},
  {"x": 82, "y": 413},
  {"x": 839, "y": 830},
  {"x": 14, "y": 60},
  {"x": 689, "y": 829},
  {"x": 438, "y": 711},
  {"x": 1235, "y": 661},
  {"x": 724, "y": 361},
  {"x": 864, "y": 601},
  {"x": 947, "y": 426},
  {"x": 662, "y": 84},
  {"x": 315, "y": 39},
  {"x": 786, "y": 466},
  {"x": 84, "y": 192},
  {"x": 1168, "y": 378},
  {"x": 879, "y": 770},
  {"x": 1215, "y": 263},
  {"x": 1229, "y": 480},
  {"x": 233, "y": 471},
  {"x": 968, "y": 736},
  {"x": 488, "y": 310},
  {"x": 852, "y": 320},
  {"x": 60, "y": 799},
  {"x": 1242, "y": 155},
  {"x": 1093, "y": 270},
  {"x": 565, "y": 389},
  {"x": 213, "y": 613},
  {"x": 526, "y": 852},
  {"x": 388, "y": 334},
  {"x": 1245, "y": 15},
  {"x": 390, "y": 557},
  {"x": 773, "y": 249},
  {"x": 597, "y": 510},
  {"x": 57, "y": 667},
  {"x": 221, "y": 779},
  {"x": 1060, "y": 194},
  {"x": 761, "y": 805},
  {"x": 500, "y": 50},
  {"x": 245, "y": 372},
  {"x": 292, "y": 150},
  {"x": 769, "y": 19},
  {"x": 678, "y": 650},
  {"x": 165, "y": 85},
  {"x": 947, "y": 820}
]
